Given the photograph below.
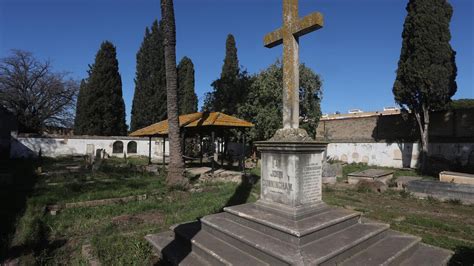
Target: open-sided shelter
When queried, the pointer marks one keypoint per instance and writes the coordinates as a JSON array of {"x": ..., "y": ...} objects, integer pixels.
[{"x": 196, "y": 124}]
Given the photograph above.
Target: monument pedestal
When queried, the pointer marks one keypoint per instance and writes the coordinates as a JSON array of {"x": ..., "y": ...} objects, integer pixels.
[
  {"x": 290, "y": 225},
  {"x": 291, "y": 177}
]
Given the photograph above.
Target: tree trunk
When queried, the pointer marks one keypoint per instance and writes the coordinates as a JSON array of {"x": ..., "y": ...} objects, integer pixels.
[
  {"x": 176, "y": 164},
  {"x": 423, "y": 121}
]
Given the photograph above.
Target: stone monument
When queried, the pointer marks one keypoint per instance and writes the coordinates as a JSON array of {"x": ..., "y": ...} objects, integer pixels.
[{"x": 290, "y": 224}]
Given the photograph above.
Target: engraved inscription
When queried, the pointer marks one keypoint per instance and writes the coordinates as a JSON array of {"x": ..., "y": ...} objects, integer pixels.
[
  {"x": 311, "y": 183},
  {"x": 288, "y": 187},
  {"x": 276, "y": 173}
]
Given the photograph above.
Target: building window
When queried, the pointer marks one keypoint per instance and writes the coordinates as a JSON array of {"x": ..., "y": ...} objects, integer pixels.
[
  {"x": 132, "y": 147},
  {"x": 117, "y": 147}
]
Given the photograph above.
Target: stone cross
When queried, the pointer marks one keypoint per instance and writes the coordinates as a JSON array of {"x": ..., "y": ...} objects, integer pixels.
[{"x": 293, "y": 28}]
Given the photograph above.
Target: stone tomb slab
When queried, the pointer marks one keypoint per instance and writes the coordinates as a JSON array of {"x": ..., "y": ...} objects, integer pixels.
[
  {"x": 442, "y": 190},
  {"x": 370, "y": 175},
  {"x": 457, "y": 178}
]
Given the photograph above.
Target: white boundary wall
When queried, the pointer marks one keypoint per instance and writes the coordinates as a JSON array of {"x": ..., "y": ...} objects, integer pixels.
[
  {"x": 56, "y": 146},
  {"x": 398, "y": 155}
]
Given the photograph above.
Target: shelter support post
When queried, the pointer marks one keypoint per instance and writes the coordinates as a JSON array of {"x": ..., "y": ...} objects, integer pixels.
[
  {"x": 183, "y": 148},
  {"x": 213, "y": 145},
  {"x": 164, "y": 150},
  {"x": 149, "y": 150},
  {"x": 243, "y": 154},
  {"x": 222, "y": 152},
  {"x": 200, "y": 150}
]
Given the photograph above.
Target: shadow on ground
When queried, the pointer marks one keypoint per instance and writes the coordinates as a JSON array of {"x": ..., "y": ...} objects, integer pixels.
[
  {"x": 181, "y": 249},
  {"x": 462, "y": 256},
  {"x": 16, "y": 185}
]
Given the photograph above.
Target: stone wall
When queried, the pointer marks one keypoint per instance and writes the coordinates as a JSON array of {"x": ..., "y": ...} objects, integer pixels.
[
  {"x": 391, "y": 140},
  {"x": 399, "y": 155},
  {"x": 452, "y": 126},
  {"x": 24, "y": 146}
]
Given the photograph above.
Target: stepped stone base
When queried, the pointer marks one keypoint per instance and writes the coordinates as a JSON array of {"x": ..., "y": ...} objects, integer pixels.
[{"x": 252, "y": 234}]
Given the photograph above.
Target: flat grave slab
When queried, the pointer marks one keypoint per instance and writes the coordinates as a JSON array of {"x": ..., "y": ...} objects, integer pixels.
[
  {"x": 370, "y": 175},
  {"x": 457, "y": 178},
  {"x": 442, "y": 190}
]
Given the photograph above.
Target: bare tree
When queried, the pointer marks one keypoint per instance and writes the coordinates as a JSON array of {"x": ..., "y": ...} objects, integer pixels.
[
  {"x": 37, "y": 96},
  {"x": 176, "y": 165}
]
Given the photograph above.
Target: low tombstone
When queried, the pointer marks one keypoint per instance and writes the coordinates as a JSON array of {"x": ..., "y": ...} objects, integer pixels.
[
  {"x": 331, "y": 172},
  {"x": 457, "y": 178},
  {"x": 442, "y": 190},
  {"x": 370, "y": 175},
  {"x": 402, "y": 181}
]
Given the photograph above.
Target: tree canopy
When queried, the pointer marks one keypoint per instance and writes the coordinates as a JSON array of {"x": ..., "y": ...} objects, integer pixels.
[
  {"x": 187, "y": 98},
  {"x": 149, "y": 100},
  {"x": 101, "y": 108},
  {"x": 35, "y": 94},
  {"x": 426, "y": 75},
  {"x": 263, "y": 106},
  {"x": 230, "y": 90}
]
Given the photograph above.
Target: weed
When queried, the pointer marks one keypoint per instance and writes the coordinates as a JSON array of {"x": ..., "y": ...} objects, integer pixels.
[
  {"x": 432, "y": 200},
  {"x": 405, "y": 194},
  {"x": 327, "y": 188},
  {"x": 454, "y": 201}
]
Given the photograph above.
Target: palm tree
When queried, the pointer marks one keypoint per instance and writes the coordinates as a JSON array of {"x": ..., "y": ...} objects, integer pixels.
[{"x": 176, "y": 164}]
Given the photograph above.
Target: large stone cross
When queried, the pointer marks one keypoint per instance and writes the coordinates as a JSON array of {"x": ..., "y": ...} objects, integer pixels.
[{"x": 293, "y": 28}]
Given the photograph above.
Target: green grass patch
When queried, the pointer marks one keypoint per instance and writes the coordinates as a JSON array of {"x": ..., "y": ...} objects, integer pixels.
[{"x": 116, "y": 232}]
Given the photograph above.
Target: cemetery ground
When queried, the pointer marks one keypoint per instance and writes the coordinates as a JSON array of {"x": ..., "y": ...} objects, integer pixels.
[{"x": 114, "y": 233}]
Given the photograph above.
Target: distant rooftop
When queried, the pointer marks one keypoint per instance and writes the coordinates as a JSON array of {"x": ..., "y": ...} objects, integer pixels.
[{"x": 357, "y": 113}]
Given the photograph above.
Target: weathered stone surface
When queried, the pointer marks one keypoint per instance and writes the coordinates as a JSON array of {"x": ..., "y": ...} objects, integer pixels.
[
  {"x": 53, "y": 209},
  {"x": 442, "y": 190},
  {"x": 291, "y": 175},
  {"x": 293, "y": 28},
  {"x": 402, "y": 181},
  {"x": 332, "y": 169},
  {"x": 330, "y": 172},
  {"x": 251, "y": 235},
  {"x": 330, "y": 180},
  {"x": 221, "y": 175},
  {"x": 370, "y": 175},
  {"x": 457, "y": 178},
  {"x": 371, "y": 185},
  {"x": 291, "y": 135}
]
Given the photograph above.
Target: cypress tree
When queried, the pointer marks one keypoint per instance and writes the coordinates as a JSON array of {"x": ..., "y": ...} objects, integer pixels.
[
  {"x": 230, "y": 69},
  {"x": 81, "y": 110},
  {"x": 426, "y": 75},
  {"x": 149, "y": 101},
  {"x": 187, "y": 98},
  {"x": 230, "y": 90},
  {"x": 105, "y": 105}
]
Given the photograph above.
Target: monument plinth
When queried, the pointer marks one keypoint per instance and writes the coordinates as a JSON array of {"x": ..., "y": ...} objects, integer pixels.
[
  {"x": 290, "y": 224},
  {"x": 291, "y": 174}
]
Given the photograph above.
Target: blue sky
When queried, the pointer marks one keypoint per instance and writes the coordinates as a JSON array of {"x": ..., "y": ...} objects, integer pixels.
[{"x": 356, "y": 53}]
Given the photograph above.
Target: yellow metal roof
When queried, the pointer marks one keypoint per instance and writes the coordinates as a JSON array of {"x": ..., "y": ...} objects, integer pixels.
[{"x": 193, "y": 120}]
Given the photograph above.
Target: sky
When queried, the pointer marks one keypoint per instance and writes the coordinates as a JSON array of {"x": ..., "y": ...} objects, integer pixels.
[{"x": 355, "y": 53}]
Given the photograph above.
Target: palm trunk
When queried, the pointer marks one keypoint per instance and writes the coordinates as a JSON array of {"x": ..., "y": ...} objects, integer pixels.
[
  {"x": 176, "y": 164},
  {"x": 423, "y": 123}
]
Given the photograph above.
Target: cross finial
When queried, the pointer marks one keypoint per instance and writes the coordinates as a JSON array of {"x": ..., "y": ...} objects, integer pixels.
[{"x": 293, "y": 28}]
